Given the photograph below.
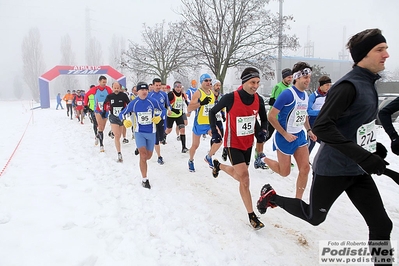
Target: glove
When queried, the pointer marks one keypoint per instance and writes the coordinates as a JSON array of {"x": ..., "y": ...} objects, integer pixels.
[
  {"x": 176, "y": 111},
  {"x": 216, "y": 138},
  {"x": 205, "y": 101},
  {"x": 261, "y": 136},
  {"x": 381, "y": 151},
  {"x": 127, "y": 123},
  {"x": 103, "y": 114},
  {"x": 373, "y": 164},
  {"x": 86, "y": 109},
  {"x": 156, "y": 119},
  {"x": 395, "y": 144}
]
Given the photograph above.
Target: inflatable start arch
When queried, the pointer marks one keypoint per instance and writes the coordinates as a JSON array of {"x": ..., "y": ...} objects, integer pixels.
[{"x": 45, "y": 79}]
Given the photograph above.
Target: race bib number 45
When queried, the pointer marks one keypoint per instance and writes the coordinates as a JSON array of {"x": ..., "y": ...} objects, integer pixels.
[
  {"x": 366, "y": 136},
  {"x": 245, "y": 125}
]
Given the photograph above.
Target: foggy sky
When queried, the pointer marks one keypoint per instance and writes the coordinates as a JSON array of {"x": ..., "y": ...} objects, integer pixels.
[{"x": 320, "y": 21}]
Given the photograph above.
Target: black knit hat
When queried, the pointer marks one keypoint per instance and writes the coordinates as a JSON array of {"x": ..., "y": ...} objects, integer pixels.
[
  {"x": 141, "y": 86},
  {"x": 286, "y": 72}
]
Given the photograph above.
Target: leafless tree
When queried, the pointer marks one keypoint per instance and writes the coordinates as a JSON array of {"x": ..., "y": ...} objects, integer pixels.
[
  {"x": 164, "y": 51},
  {"x": 33, "y": 62},
  {"x": 69, "y": 82},
  {"x": 230, "y": 33},
  {"x": 116, "y": 49},
  {"x": 18, "y": 87},
  {"x": 94, "y": 57}
]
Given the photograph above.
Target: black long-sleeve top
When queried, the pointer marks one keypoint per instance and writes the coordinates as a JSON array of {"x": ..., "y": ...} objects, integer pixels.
[
  {"x": 385, "y": 117},
  {"x": 227, "y": 102}
]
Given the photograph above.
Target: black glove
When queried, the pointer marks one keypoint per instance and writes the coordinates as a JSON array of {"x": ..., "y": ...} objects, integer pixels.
[
  {"x": 86, "y": 109},
  {"x": 261, "y": 136},
  {"x": 381, "y": 151},
  {"x": 395, "y": 144},
  {"x": 205, "y": 101},
  {"x": 103, "y": 114},
  {"x": 373, "y": 164},
  {"x": 176, "y": 111},
  {"x": 216, "y": 138}
]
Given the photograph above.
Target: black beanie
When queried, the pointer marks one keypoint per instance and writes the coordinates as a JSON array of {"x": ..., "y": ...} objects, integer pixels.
[
  {"x": 142, "y": 85},
  {"x": 286, "y": 72},
  {"x": 248, "y": 74}
]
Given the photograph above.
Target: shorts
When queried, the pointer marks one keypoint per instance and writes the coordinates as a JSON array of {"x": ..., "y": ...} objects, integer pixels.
[
  {"x": 179, "y": 121},
  {"x": 106, "y": 113},
  {"x": 200, "y": 129},
  {"x": 289, "y": 148},
  {"x": 146, "y": 140},
  {"x": 237, "y": 156},
  {"x": 115, "y": 120}
]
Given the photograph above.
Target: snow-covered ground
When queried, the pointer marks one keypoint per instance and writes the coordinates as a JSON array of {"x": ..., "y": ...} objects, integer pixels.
[{"x": 62, "y": 202}]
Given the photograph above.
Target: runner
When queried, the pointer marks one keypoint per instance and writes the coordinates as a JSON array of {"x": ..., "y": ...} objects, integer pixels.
[
  {"x": 242, "y": 107},
  {"x": 163, "y": 100},
  {"x": 175, "y": 115},
  {"x": 202, "y": 101},
  {"x": 78, "y": 103},
  {"x": 68, "y": 98},
  {"x": 100, "y": 92},
  {"x": 114, "y": 103},
  {"x": 289, "y": 117},
  {"x": 344, "y": 162},
  {"x": 147, "y": 115}
]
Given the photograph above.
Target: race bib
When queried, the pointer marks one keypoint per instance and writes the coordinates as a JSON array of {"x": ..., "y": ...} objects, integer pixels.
[
  {"x": 300, "y": 116},
  {"x": 207, "y": 108},
  {"x": 245, "y": 125},
  {"x": 79, "y": 103},
  {"x": 69, "y": 102},
  {"x": 366, "y": 136},
  {"x": 178, "y": 105},
  {"x": 144, "y": 118},
  {"x": 116, "y": 111}
]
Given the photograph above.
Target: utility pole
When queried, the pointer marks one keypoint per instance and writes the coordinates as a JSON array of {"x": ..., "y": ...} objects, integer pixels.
[{"x": 280, "y": 41}]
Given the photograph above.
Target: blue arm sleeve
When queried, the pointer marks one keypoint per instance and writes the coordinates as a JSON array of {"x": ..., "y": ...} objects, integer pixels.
[
  {"x": 312, "y": 99},
  {"x": 126, "y": 110}
]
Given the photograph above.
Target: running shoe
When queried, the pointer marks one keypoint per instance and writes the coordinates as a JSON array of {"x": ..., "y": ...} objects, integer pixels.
[
  {"x": 120, "y": 159},
  {"x": 216, "y": 168},
  {"x": 125, "y": 140},
  {"x": 95, "y": 141},
  {"x": 163, "y": 141},
  {"x": 204, "y": 136},
  {"x": 146, "y": 184},
  {"x": 191, "y": 166},
  {"x": 208, "y": 160},
  {"x": 184, "y": 150},
  {"x": 102, "y": 149},
  {"x": 160, "y": 160},
  {"x": 224, "y": 154},
  {"x": 136, "y": 151},
  {"x": 258, "y": 163},
  {"x": 256, "y": 224},
  {"x": 264, "y": 202}
]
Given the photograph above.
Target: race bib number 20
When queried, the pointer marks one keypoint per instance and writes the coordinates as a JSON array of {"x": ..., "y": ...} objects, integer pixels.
[{"x": 366, "y": 136}]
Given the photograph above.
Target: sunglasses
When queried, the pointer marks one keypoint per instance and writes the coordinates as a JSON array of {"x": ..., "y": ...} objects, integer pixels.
[{"x": 207, "y": 80}]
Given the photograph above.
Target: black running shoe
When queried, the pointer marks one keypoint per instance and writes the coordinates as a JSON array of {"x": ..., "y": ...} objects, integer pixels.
[
  {"x": 184, "y": 150},
  {"x": 224, "y": 154},
  {"x": 111, "y": 134},
  {"x": 216, "y": 168},
  {"x": 146, "y": 184},
  {"x": 264, "y": 201},
  {"x": 136, "y": 151},
  {"x": 256, "y": 224}
]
